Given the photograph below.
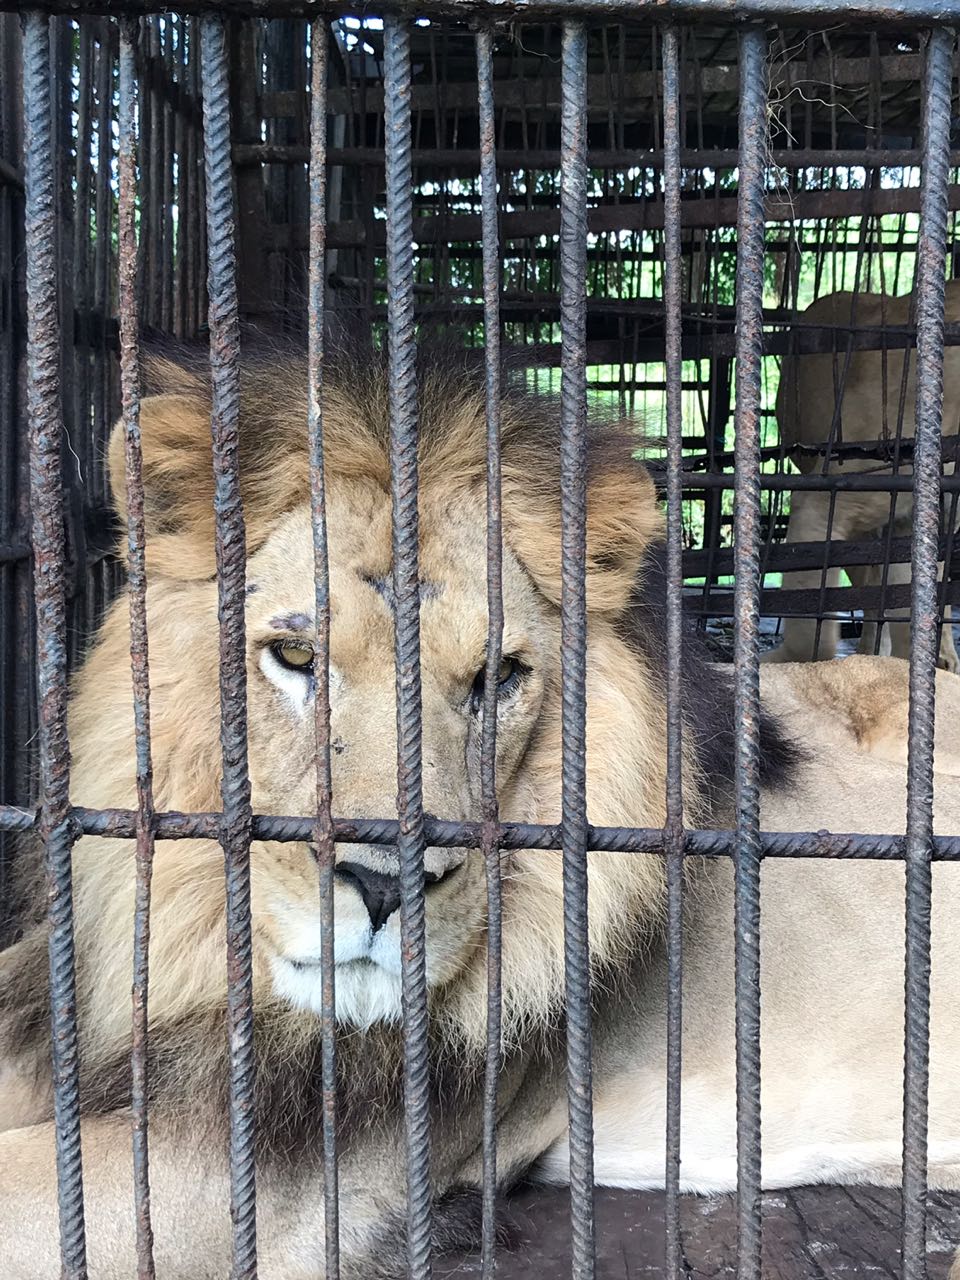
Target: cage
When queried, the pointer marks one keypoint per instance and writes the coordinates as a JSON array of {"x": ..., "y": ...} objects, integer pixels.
[{"x": 821, "y": 340}]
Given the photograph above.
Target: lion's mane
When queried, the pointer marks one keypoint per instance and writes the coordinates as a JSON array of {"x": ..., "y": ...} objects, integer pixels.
[{"x": 188, "y": 1057}]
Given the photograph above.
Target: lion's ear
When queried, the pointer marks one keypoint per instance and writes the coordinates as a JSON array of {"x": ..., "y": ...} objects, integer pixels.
[
  {"x": 177, "y": 482},
  {"x": 622, "y": 519},
  {"x": 178, "y": 470}
]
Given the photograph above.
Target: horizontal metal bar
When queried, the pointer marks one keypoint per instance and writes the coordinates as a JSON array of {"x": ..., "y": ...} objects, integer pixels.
[
  {"x": 783, "y": 602},
  {"x": 789, "y": 557},
  {"x": 705, "y": 211},
  {"x": 873, "y": 13},
  {"x": 858, "y": 482},
  {"x": 122, "y": 824},
  {"x": 468, "y": 157},
  {"x": 644, "y": 342}
]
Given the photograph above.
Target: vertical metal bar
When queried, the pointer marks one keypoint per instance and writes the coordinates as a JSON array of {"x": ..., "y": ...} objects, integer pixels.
[
  {"x": 323, "y": 829},
  {"x": 183, "y": 179},
  {"x": 46, "y": 503},
  {"x": 488, "y": 746},
  {"x": 153, "y": 204},
  {"x": 672, "y": 281},
  {"x": 401, "y": 351},
  {"x": 137, "y": 588},
  {"x": 746, "y": 525},
  {"x": 165, "y": 64},
  {"x": 231, "y": 581},
  {"x": 573, "y": 635},
  {"x": 925, "y": 617}
]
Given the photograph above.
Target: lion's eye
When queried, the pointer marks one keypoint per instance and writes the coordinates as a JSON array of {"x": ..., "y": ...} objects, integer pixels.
[
  {"x": 293, "y": 655},
  {"x": 510, "y": 674}
]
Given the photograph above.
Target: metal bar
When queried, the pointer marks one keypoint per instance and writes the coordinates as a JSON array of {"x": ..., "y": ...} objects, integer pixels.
[
  {"x": 139, "y": 659},
  {"x": 673, "y": 831},
  {"x": 644, "y": 216},
  {"x": 861, "y": 482},
  {"x": 573, "y": 640},
  {"x": 122, "y": 824},
  {"x": 49, "y": 557},
  {"x": 788, "y": 12},
  {"x": 702, "y": 338},
  {"x": 924, "y": 642},
  {"x": 789, "y": 556},
  {"x": 488, "y": 744},
  {"x": 231, "y": 582},
  {"x": 323, "y": 841},
  {"x": 752, "y": 138},
  {"x": 783, "y": 602},
  {"x": 468, "y": 158},
  {"x": 401, "y": 345}
]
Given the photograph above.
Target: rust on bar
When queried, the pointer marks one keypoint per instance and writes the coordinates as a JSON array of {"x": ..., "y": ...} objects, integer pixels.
[
  {"x": 49, "y": 558},
  {"x": 323, "y": 835},
  {"x": 230, "y": 539},
  {"x": 139, "y": 659}
]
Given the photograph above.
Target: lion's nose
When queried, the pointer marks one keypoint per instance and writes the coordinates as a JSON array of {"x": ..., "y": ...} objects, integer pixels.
[{"x": 380, "y": 892}]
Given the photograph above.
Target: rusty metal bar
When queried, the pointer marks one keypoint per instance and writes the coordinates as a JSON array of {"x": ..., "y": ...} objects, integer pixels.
[
  {"x": 750, "y": 228},
  {"x": 401, "y": 346},
  {"x": 139, "y": 657},
  {"x": 122, "y": 824},
  {"x": 789, "y": 12},
  {"x": 859, "y": 482},
  {"x": 488, "y": 743},
  {"x": 789, "y": 556},
  {"x": 673, "y": 831},
  {"x": 323, "y": 838},
  {"x": 780, "y": 602},
  {"x": 468, "y": 159},
  {"x": 641, "y": 217},
  {"x": 573, "y": 640},
  {"x": 924, "y": 642},
  {"x": 231, "y": 582},
  {"x": 49, "y": 558}
]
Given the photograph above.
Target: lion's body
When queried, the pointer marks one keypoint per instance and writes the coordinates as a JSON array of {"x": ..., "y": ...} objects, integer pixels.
[
  {"x": 878, "y": 403},
  {"x": 832, "y": 934},
  {"x": 831, "y": 977}
]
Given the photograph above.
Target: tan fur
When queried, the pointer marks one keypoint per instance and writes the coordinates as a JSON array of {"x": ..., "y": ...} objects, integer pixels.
[
  {"x": 873, "y": 383},
  {"x": 625, "y": 754}
]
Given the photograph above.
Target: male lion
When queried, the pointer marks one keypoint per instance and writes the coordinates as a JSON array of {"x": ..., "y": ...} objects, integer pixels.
[
  {"x": 871, "y": 386},
  {"x": 832, "y": 932}
]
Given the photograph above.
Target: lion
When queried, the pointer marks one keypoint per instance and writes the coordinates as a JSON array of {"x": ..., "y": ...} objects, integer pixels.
[
  {"x": 832, "y": 756},
  {"x": 873, "y": 390}
]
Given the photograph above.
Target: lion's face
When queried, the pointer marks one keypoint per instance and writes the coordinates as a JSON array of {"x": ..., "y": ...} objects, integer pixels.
[
  {"x": 624, "y": 721},
  {"x": 280, "y": 623}
]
